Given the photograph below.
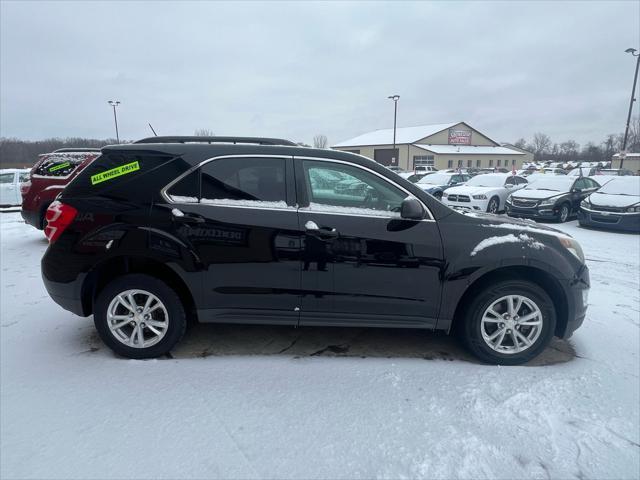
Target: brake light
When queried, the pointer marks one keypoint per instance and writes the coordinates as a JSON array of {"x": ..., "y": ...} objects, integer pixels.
[{"x": 59, "y": 216}]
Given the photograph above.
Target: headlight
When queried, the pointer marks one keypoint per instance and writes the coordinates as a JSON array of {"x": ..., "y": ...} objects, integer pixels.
[
  {"x": 479, "y": 197},
  {"x": 635, "y": 208},
  {"x": 573, "y": 246},
  {"x": 585, "y": 203},
  {"x": 508, "y": 200},
  {"x": 445, "y": 194},
  {"x": 548, "y": 202}
]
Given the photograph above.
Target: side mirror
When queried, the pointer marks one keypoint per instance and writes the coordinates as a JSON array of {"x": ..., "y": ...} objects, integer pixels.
[{"x": 411, "y": 209}]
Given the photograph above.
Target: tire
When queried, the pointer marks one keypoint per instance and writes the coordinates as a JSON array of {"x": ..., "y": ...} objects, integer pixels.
[
  {"x": 474, "y": 332},
  {"x": 563, "y": 213},
  {"x": 169, "y": 318},
  {"x": 493, "y": 205}
]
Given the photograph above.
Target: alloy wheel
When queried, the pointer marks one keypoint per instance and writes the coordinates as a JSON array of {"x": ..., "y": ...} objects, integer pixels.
[
  {"x": 493, "y": 206},
  {"x": 564, "y": 213},
  {"x": 511, "y": 324},
  {"x": 137, "y": 318}
]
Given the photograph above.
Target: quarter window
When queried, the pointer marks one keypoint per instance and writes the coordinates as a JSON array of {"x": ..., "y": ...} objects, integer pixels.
[{"x": 334, "y": 187}]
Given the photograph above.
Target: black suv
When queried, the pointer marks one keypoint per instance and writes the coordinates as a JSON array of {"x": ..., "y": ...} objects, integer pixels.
[{"x": 252, "y": 230}]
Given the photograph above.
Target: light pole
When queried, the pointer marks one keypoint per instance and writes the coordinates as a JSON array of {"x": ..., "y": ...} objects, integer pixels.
[
  {"x": 632, "y": 51},
  {"x": 114, "y": 104},
  {"x": 395, "y": 99}
]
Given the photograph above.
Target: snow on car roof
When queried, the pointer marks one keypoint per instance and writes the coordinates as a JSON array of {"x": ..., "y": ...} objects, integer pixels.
[
  {"x": 468, "y": 149},
  {"x": 403, "y": 135}
]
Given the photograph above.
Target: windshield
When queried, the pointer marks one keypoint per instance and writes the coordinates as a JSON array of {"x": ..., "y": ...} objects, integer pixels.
[
  {"x": 622, "y": 186},
  {"x": 553, "y": 183},
  {"x": 435, "y": 179},
  {"x": 487, "y": 181}
]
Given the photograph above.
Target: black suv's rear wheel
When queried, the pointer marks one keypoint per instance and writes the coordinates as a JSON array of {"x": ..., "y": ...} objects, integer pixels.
[
  {"x": 509, "y": 323},
  {"x": 138, "y": 316}
]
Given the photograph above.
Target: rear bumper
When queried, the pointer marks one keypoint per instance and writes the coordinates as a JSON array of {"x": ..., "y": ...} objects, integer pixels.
[
  {"x": 627, "y": 222},
  {"x": 31, "y": 217},
  {"x": 66, "y": 294}
]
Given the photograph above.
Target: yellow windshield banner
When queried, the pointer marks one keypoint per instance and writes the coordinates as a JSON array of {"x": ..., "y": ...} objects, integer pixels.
[
  {"x": 60, "y": 166},
  {"x": 114, "y": 172}
]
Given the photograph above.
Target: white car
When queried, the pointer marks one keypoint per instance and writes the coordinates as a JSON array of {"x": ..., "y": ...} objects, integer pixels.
[
  {"x": 484, "y": 193},
  {"x": 10, "y": 180}
]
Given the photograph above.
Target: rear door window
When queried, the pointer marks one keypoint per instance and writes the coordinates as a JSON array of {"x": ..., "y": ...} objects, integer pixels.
[{"x": 235, "y": 182}]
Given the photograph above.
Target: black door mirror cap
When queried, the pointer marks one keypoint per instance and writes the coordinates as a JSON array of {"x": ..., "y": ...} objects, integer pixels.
[{"x": 412, "y": 209}]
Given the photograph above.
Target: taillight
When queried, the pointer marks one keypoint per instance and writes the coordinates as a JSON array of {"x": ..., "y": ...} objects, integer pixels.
[{"x": 59, "y": 216}]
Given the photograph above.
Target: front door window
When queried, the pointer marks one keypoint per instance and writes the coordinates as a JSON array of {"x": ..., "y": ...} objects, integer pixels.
[{"x": 336, "y": 187}]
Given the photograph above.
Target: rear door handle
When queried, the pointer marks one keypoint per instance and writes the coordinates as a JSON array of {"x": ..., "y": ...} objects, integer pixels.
[
  {"x": 180, "y": 216},
  {"x": 312, "y": 228}
]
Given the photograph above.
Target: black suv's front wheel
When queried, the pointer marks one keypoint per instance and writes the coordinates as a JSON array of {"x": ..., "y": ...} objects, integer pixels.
[
  {"x": 509, "y": 323},
  {"x": 139, "y": 316}
]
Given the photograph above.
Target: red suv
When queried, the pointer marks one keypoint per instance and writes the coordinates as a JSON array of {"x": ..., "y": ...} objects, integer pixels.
[{"x": 48, "y": 177}]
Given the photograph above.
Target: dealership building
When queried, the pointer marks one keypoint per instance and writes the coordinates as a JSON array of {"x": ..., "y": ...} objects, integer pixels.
[
  {"x": 631, "y": 162},
  {"x": 446, "y": 145}
]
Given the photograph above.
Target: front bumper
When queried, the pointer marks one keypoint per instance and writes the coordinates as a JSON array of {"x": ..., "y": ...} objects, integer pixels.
[
  {"x": 473, "y": 205},
  {"x": 545, "y": 212},
  {"x": 628, "y": 222}
]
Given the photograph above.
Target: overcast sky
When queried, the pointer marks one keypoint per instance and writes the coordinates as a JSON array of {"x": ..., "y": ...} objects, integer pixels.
[{"x": 294, "y": 70}]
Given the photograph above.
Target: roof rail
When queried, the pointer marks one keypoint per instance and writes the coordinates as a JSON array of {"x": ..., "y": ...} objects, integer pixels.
[
  {"x": 196, "y": 139},
  {"x": 82, "y": 149}
]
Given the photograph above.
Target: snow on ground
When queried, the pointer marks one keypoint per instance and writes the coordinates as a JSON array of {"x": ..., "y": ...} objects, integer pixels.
[{"x": 273, "y": 402}]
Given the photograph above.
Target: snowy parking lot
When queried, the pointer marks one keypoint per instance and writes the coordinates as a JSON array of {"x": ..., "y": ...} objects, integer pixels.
[{"x": 275, "y": 402}]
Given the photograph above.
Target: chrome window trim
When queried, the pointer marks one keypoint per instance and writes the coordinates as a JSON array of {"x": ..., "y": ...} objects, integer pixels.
[
  {"x": 332, "y": 160},
  {"x": 168, "y": 199}
]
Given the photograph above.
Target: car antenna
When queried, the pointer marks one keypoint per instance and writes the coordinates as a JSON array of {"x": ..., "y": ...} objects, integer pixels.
[{"x": 154, "y": 132}]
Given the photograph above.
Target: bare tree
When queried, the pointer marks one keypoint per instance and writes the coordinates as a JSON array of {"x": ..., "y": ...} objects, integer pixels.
[
  {"x": 320, "y": 141},
  {"x": 569, "y": 150},
  {"x": 203, "y": 132},
  {"x": 521, "y": 143},
  {"x": 541, "y": 144}
]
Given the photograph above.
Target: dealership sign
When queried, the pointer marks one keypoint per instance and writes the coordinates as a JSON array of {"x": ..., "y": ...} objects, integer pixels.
[{"x": 459, "y": 137}]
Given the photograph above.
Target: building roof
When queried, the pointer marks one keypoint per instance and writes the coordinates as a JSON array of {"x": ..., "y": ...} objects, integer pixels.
[
  {"x": 629, "y": 155},
  {"x": 403, "y": 135},
  {"x": 469, "y": 150}
]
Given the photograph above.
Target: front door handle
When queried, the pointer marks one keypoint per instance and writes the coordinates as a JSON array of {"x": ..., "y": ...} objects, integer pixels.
[
  {"x": 312, "y": 228},
  {"x": 180, "y": 216}
]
